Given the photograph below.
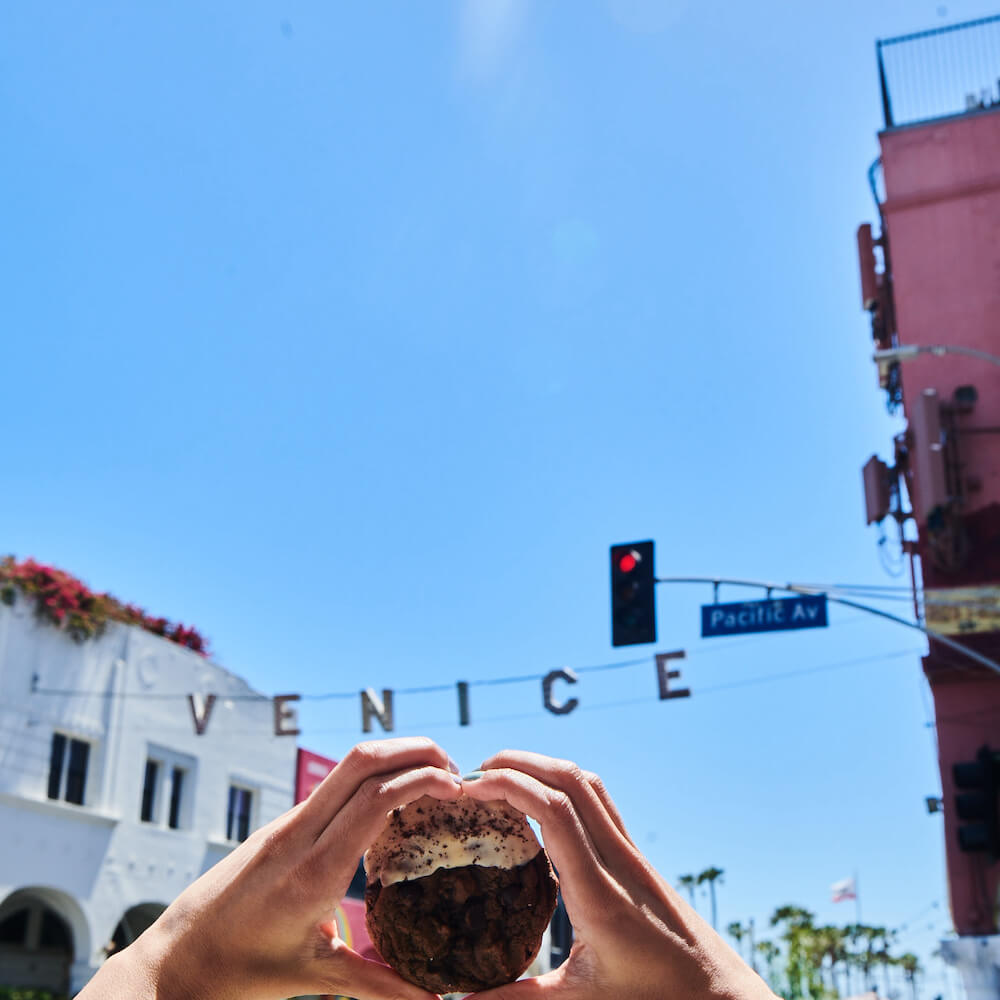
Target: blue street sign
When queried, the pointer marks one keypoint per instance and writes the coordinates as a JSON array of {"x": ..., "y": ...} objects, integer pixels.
[{"x": 780, "y": 615}]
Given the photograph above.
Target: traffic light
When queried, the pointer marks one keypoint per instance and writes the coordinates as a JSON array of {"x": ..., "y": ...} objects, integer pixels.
[
  {"x": 977, "y": 805},
  {"x": 633, "y": 601}
]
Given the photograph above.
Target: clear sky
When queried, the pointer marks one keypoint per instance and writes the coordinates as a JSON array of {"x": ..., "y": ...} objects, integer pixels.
[{"x": 353, "y": 334}]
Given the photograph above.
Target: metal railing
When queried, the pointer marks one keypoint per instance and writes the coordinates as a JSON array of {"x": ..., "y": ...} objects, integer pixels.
[{"x": 942, "y": 72}]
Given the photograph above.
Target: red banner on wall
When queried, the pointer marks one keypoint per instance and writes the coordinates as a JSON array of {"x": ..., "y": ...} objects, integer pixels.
[{"x": 311, "y": 768}]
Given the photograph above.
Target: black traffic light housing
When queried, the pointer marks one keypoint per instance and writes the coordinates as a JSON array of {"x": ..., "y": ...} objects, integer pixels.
[
  {"x": 633, "y": 597},
  {"x": 976, "y": 805}
]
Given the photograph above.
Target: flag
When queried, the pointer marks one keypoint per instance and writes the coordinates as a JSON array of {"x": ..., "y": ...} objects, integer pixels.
[{"x": 845, "y": 889}]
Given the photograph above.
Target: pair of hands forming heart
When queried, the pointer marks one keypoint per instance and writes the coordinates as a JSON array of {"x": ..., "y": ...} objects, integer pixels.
[{"x": 259, "y": 926}]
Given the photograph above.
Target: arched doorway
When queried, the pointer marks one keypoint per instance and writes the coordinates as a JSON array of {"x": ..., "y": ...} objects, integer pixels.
[
  {"x": 133, "y": 922},
  {"x": 36, "y": 943}
]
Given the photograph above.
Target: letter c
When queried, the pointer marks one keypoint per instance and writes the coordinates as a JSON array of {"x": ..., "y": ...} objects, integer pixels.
[{"x": 563, "y": 707}]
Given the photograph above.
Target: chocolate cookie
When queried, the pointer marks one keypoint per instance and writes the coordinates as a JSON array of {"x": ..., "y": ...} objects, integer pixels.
[{"x": 458, "y": 894}]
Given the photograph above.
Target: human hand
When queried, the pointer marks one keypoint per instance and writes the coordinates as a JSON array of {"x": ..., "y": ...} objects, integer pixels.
[
  {"x": 633, "y": 935},
  {"x": 259, "y": 925}
]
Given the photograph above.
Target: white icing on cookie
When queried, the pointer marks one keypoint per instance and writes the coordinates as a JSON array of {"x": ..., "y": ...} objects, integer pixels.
[{"x": 428, "y": 834}]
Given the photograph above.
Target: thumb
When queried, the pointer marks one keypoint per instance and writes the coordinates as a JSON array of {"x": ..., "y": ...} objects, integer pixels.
[
  {"x": 550, "y": 986},
  {"x": 344, "y": 972}
]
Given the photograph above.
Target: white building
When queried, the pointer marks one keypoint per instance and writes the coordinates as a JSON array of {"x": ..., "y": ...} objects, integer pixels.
[{"x": 110, "y": 802}]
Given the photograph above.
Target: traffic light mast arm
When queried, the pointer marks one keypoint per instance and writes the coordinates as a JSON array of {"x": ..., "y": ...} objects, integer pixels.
[{"x": 792, "y": 588}]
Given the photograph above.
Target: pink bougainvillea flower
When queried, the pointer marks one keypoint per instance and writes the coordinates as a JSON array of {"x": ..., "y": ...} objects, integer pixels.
[{"x": 69, "y": 604}]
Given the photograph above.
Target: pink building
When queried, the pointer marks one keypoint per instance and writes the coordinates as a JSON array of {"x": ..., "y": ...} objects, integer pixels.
[{"x": 936, "y": 314}]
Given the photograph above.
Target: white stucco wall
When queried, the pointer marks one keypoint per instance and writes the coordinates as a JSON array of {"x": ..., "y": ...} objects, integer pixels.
[
  {"x": 97, "y": 860},
  {"x": 978, "y": 960}
]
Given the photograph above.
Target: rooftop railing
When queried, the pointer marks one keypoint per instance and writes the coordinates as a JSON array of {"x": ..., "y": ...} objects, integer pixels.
[{"x": 942, "y": 72}]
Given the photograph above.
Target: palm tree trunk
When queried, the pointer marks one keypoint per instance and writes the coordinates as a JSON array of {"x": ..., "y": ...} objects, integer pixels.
[{"x": 711, "y": 886}]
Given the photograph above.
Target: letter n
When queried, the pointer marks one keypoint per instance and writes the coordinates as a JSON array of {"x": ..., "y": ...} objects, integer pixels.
[{"x": 381, "y": 709}]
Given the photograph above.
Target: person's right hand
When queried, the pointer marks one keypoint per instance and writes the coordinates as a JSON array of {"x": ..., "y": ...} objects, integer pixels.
[
  {"x": 633, "y": 935},
  {"x": 260, "y": 924}
]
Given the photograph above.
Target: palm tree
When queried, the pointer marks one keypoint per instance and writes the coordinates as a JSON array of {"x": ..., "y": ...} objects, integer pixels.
[
  {"x": 882, "y": 954},
  {"x": 866, "y": 958},
  {"x": 831, "y": 945},
  {"x": 910, "y": 965},
  {"x": 791, "y": 915},
  {"x": 737, "y": 932},
  {"x": 769, "y": 951},
  {"x": 855, "y": 957},
  {"x": 797, "y": 934},
  {"x": 688, "y": 882},
  {"x": 711, "y": 876},
  {"x": 811, "y": 946}
]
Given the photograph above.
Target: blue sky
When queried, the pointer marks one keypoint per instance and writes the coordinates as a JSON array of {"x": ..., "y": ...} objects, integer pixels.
[{"x": 354, "y": 334}]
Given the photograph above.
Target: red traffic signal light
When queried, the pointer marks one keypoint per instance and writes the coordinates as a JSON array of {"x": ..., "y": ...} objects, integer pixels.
[
  {"x": 633, "y": 598},
  {"x": 628, "y": 562}
]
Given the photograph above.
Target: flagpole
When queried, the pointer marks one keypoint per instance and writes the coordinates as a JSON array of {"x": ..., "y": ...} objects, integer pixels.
[{"x": 857, "y": 896}]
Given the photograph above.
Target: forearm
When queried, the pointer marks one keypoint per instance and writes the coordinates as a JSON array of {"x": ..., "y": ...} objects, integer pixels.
[
  {"x": 129, "y": 975},
  {"x": 140, "y": 972}
]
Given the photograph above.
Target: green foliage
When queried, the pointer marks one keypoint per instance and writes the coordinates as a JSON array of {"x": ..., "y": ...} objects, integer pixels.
[
  {"x": 28, "y": 993},
  {"x": 687, "y": 883},
  {"x": 826, "y": 962},
  {"x": 70, "y": 605},
  {"x": 711, "y": 876}
]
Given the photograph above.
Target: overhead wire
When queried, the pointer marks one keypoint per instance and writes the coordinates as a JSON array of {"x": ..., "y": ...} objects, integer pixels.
[
  {"x": 697, "y": 651},
  {"x": 600, "y": 706}
]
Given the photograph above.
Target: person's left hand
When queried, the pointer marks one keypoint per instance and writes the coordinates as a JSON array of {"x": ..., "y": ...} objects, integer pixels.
[{"x": 260, "y": 923}]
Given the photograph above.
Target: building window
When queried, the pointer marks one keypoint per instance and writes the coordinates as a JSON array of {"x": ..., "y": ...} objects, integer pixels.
[
  {"x": 238, "y": 813},
  {"x": 149, "y": 784},
  {"x": 167, "y": 789},
  {"x": 68, "y": 769},
  {"x": 176, "y": 793}
]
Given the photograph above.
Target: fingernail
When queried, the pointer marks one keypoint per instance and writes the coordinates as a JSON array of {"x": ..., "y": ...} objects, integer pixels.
[
  {"x": 472, "y": 776},
  {"x": 453, "y": 767}
]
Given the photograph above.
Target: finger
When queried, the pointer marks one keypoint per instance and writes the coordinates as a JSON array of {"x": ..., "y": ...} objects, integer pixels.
[
  {"x": 598, "y": 812},
  {"x": 586, "y": 886},
  {"x": 597, "y": 784},
  {"x": 363, "y": 762},
  {"x": 550, "y": 986},
  {"x": 364, "y": 815},
  {"x": 536, "y": 763},
  {"x": 346, "y": 973}
]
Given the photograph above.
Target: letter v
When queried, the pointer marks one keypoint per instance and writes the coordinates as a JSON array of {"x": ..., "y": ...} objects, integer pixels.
[{"x": 201, "y": 718}]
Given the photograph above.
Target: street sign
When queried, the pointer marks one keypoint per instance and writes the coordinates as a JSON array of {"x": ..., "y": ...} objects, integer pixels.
[{"x": 778, "y": 615}]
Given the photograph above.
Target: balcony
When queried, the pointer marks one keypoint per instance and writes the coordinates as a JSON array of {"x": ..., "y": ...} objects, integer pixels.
[{"x": 954, "y": 70}]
